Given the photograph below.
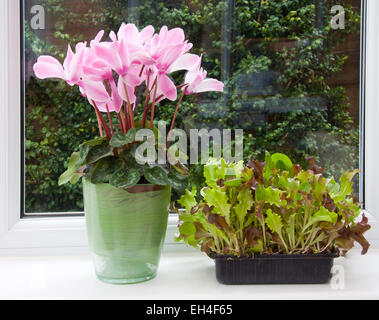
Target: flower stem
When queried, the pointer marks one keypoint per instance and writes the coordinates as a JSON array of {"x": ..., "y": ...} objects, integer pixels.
[
  {"x": 130, "y": 110},
  {"x": 99, "y": 125},
  {"x": 154, "y": 99},
  {"x": 173, "y": 120},
  {"x": 140, "y": 74},
  {"x": 109, "y": 119},
  {"x": 105, "y": 126},
  {"x": 126, "y": 120},
  {"x": 146, "y": 100},
  {"x": 121, "y": 122}
]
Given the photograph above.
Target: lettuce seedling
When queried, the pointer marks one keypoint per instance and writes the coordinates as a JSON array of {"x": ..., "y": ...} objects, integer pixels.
[{"x": 271, "y": 207}]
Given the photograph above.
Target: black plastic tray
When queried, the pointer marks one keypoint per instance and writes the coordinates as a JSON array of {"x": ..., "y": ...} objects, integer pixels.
[{"x": 274, "y": 269}]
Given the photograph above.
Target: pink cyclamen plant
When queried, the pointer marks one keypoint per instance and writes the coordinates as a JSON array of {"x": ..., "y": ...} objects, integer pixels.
[{"x": 108, "y": 73}]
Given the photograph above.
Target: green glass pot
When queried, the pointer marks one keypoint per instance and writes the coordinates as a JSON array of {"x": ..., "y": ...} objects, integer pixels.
[{"x": 126, "y": 230}]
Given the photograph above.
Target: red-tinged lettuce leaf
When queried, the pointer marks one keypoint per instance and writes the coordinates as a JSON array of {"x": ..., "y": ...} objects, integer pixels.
[
  {"x": 200, "y": 233},
  {"x": 328, "y": 203},
  {"x": 253, "y": 235},
  {"x": 354, "y": 233},
  {"x": 258, "y": 167},
  {"x": 259, "y": 211},
  {"x": 314, "y": 167},
  {"x": 296, "y": 169},
  {"x": 218, "y": 221}
]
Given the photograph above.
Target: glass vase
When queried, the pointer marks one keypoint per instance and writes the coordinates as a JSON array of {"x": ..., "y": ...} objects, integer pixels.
[{"x": 126, "y": 230}]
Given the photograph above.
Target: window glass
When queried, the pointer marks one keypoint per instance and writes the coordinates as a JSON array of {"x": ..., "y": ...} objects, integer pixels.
[{"x": 291, "y": 71}]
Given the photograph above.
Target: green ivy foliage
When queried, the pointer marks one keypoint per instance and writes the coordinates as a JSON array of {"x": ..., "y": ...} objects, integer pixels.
[{"x": 275, "y": 58}]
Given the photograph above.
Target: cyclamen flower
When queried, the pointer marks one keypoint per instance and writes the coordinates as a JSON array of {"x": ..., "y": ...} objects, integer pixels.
[
  {"x": 198, "y": 82},
  {"x": 136, "y": 57},
  {"x": 126, "y": 55},
  {"x": 169, "y": 50},
  {"x": 85, "y": 69}
]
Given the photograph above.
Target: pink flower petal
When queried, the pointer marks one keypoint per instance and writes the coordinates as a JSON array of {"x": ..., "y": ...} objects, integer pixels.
[
  {"x": 121, "y": 91},
  {"x": 97, "y": 39},
  {"x": 109, "y": 53},
  {"x": 48, "y": 67},
  {"x": 116, "y": 99},
  {"x": 131, "y": 78},
  {"x": 169, "y": 55},
  {"x": 128, "y": 32},
  {"x": 124, "y": 55},
  {"x": 73, "y": 73},
  {"x": 209, "y": 85},
  {"x": 95, "y": 91},
  {"x": 173, "y": 36},
  {"x": 67, "y": 61},
  {"x": 147, "y": 33},
  {"x": 167, "y": 87},
  {"x": 186, "y": 62},
  {"x": 193, "y": 79},
  {"x": 113, "y": 36}
]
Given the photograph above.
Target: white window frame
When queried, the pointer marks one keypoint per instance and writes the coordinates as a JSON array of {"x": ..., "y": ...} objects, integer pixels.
[{"x": 53, "y": 235}]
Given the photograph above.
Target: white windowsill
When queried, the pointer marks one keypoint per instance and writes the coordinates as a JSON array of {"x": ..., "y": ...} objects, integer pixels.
[{"x": 186, "y": 274}]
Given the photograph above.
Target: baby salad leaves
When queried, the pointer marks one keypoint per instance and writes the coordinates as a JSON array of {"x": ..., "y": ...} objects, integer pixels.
[{"x": 271, "y": 207}]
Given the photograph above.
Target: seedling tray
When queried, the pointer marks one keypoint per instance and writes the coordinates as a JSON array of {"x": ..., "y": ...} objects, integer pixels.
[{"x": 274, "y": 269}]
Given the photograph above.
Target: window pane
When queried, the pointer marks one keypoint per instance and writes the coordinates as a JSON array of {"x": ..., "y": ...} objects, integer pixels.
[{"x": 291, "y": 71}]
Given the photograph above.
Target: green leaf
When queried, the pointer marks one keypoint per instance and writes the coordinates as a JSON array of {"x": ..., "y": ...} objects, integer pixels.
[
  {"x": 218, "y": 199},
  {"x": 269, "y": 195},
  {"x": 75, "y": 178},
  {"x": 258, "y": 247},
  {"x": 245, "y": 202},
  {"x": 177, "y": 181},
  {"x": 187, "y": 228},
  {"x": 156, "y": 175},
  {"x": 232, "y": 182},
  {"x": 119, "y": 139},
  {"x": 188, "y": 200},
  {"x": 214, "y": 170},
  {"x": 86, "y": 146},
  {"x": 94, "y": 142},
  {"x": 346, "y": 186},
  {"x": 333, "y": 187},
  {"x": 104, "y": 169},
  {"x": 71, "y": 169},
  {"x": 305, "y": 186},
  {"x": 274, "y": 221},
  {"x": 234, "y": 170},
  {"x": 174, "y": 172},
  {"x": 267, "y": 170},
  {"x": 98, "y": 152},
  {"x": 125, "y": 179},
  {"x": 289, "y": 184},
  {"x": 282, "y": 162},
  {"x": 322, "y": 214}
]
